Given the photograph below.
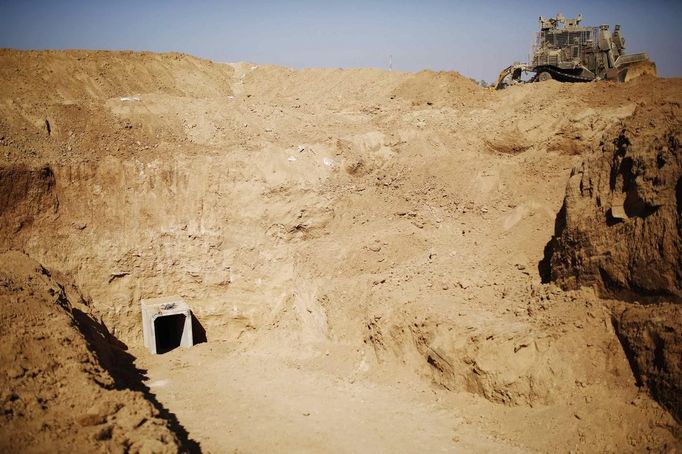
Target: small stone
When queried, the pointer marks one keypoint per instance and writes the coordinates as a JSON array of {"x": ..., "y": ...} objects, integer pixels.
[
  {"x": 16, "y": 372},
  {"x": 104, "y": 434},
  {"x": 89, "y": 420}
]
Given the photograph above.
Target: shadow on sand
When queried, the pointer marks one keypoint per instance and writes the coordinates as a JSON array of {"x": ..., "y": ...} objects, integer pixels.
[{"x": 113, "y": 355}]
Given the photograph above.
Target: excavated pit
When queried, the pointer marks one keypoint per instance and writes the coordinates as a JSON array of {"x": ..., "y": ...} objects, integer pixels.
[{"x": 361, "y": 250}]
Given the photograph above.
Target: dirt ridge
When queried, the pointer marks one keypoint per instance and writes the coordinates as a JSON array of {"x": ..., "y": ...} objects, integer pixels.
[{"x": 375, "y": 237}]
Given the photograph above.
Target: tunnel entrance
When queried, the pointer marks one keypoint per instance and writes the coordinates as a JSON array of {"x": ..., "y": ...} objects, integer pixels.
[
  {"x": 166, "y": 324},
  {"x": 168, "y": 332}
]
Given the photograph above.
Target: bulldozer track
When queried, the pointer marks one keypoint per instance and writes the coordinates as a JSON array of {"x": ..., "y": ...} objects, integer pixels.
[{"x": 560, "y": 75}]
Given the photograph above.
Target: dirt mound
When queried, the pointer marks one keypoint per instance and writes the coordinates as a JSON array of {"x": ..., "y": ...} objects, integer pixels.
[
  {"x": 620, "y": 231},
  {"x": 439, "y": 88},
  {"x": 524, "y": 361},
  {"x": 76, "y": 75},
  {"x": 620, "y": 228},
  {"x": 332, "y": 88},
  {"x": 56, "y": 393},
  {"x": 341, "y": 229},
  {"x": 65, "y": 104}
]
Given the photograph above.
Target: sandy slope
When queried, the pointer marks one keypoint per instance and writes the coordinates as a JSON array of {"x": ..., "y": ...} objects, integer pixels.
[
  {"x": 62, "y": 384},
  {"x": 359, "y": 245}
]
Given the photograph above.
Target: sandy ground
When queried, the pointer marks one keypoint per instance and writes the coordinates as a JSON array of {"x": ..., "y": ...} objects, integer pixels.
[
  {"x": 266, "y": 396},
  {"x": 309, "y": 410},
  {"x": 260, "y": 402},
  {"x": 361, "y": 247}
]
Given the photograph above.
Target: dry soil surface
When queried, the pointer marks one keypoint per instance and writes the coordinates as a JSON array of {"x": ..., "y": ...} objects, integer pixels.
[{"x": 365, "y": 251}]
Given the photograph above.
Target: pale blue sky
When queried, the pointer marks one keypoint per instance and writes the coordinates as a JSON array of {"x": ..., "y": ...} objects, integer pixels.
[{"x": 476, "y": 38}]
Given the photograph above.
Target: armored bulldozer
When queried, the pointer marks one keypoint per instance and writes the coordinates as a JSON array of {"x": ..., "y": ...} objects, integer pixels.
[{"x": 566, "y": 51}]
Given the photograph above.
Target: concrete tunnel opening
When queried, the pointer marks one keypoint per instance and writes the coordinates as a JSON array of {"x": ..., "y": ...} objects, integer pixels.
[
  {"x": 169, "y": 331},
  {"x": 166, "y": 324}
]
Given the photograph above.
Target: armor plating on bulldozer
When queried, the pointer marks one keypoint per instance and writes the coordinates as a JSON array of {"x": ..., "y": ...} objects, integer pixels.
[{"x": 566, "y": 51}]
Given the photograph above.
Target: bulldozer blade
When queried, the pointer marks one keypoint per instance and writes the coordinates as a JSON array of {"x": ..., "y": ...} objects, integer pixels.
[
  {"x": 639, "y": 69},
  {"x": 630, "y": 71}
]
